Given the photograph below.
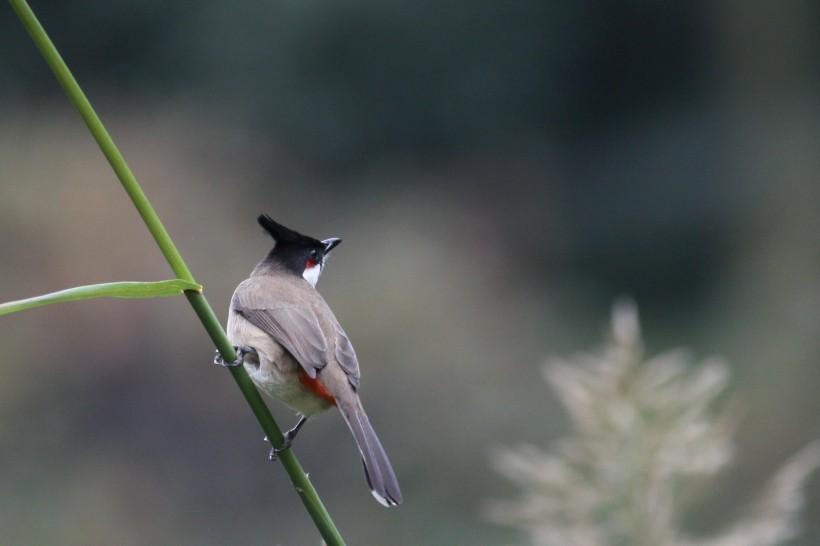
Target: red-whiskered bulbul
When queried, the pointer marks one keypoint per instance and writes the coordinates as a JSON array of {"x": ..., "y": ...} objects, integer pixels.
[{"x": 294, "y": 349}]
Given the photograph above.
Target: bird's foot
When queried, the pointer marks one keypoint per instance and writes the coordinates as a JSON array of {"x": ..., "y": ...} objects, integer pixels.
[
  {"x": 275, "y": 451},
  {"x": 241, "y": 352},
  {"x": 287, "y": 439}
]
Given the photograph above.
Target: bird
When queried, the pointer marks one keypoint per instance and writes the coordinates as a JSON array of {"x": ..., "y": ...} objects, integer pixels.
[{"x": 294, "y": 349}]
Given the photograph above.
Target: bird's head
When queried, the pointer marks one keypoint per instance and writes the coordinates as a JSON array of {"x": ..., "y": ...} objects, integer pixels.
[{"x": 296, "y": 253}]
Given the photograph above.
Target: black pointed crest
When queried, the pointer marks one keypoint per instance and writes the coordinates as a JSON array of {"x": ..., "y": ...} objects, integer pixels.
[{"x": 285, "y": 235}]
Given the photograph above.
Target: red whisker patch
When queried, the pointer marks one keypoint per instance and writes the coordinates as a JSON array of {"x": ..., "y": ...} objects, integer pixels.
[{"x": 315, "y": 386}]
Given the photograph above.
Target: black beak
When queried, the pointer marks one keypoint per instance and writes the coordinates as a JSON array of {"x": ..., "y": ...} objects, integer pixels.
[{"x": 331, "y": 243}]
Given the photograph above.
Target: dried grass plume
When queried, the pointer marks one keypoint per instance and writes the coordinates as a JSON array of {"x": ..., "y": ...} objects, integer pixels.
[{"x": 643, "y": 430}]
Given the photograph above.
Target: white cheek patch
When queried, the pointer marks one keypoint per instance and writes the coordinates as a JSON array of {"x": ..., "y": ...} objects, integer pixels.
[{"x": 311, "y": 274}]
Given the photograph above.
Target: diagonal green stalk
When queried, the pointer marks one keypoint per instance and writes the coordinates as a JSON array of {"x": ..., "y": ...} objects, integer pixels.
[
  {"x": 130, "y": 290},
  {"x": 206, "y": 315}
]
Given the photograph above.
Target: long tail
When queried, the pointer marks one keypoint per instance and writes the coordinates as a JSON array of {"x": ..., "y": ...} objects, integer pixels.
[{"x": 380, "y": 476}]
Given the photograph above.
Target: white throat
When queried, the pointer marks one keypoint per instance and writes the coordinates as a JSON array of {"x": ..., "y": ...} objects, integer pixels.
[{"x": 311, "y": 274}]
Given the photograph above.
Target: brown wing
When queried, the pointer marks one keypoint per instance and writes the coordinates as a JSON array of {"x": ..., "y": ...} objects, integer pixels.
[
  {"x": 295, "y": 326},
  {"x": 346, "y": 356},
  {"x": 296, "y": 329}
]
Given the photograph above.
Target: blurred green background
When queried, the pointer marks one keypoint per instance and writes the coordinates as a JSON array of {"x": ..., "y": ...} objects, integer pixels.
[{"x": 500, "y": 172}]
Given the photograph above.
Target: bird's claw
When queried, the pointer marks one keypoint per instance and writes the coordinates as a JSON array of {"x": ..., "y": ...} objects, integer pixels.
[
  {"x": 287, "y": 440},
  {"x": 241, "y": 351},
  {"x": 275, "y": 451}
]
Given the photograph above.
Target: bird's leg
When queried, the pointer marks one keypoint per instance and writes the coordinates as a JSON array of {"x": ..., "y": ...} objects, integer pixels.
[
  {"x": 288, "y": 439},
  {"x": 241, "y": 352}
]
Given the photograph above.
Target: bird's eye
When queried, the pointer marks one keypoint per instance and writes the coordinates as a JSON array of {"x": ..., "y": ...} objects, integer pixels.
[{"x": 313, "y": 259}]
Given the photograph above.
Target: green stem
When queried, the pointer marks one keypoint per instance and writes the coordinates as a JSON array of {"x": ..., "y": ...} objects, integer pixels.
[
  {"x": 302, "y": 484},
  {"x": 131, "y": 290}
]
